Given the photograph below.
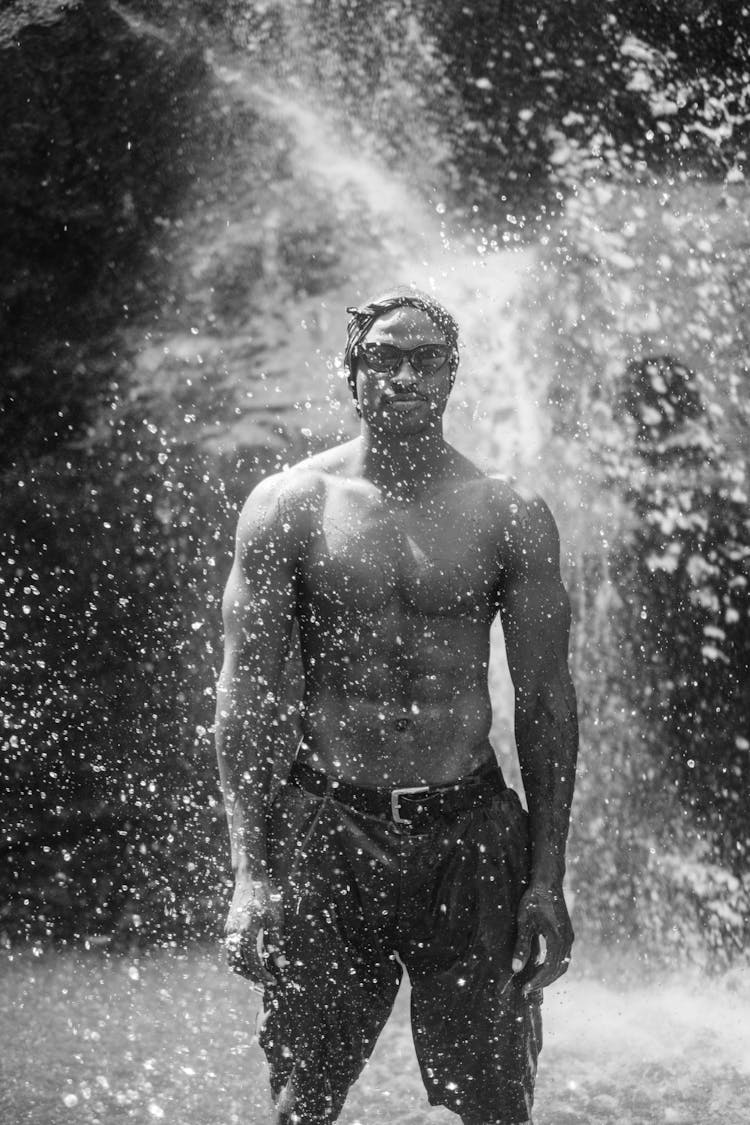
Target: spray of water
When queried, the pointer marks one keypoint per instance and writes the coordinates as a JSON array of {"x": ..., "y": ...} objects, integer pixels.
[
  {"x": 395, "y": 236},
  {"x": 495, "y": 413}
]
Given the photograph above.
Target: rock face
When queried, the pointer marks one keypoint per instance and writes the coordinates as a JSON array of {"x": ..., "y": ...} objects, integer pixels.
[
  {"x": 106, "y": 125},
  {"x": 104, "y": 129}
]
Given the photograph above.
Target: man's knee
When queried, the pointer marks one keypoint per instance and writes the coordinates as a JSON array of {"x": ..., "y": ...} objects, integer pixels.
[
  {"x": 478, "y": 1121},
  {"x": 291, "y": 1108}
]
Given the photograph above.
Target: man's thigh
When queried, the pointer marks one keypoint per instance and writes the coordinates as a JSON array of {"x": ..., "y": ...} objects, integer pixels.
[
  {"x": 323, "y": 1017},
  {"x": 477, "y": 1047},
  {"x": 477, "y": 1037}
]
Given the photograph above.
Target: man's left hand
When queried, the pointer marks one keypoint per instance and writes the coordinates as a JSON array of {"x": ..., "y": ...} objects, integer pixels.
[{"x": 542, "y": 918}]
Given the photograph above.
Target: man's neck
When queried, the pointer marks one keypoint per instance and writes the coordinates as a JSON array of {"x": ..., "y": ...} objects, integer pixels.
[{"x": 403, "y": 468}]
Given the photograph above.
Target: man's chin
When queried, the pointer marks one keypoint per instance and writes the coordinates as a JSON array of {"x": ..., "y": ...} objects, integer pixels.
[{"x": 412, "y": 423}]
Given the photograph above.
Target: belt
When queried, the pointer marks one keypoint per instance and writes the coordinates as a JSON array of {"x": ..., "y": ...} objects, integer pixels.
[{"x": 413, "y": 805}]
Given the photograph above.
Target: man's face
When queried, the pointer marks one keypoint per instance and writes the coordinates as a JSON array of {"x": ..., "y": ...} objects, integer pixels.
[{"x": 403, "y": 399}]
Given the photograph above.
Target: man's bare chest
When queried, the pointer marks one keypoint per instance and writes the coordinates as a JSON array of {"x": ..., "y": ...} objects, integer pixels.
[{"x": 438, "y": 556}]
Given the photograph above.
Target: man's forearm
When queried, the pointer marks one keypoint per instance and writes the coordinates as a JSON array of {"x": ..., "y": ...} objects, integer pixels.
[
  {"x": 246, "y": 802},
  {"x": 547, "y": 741},
  {"x": 245, "y": 757}
]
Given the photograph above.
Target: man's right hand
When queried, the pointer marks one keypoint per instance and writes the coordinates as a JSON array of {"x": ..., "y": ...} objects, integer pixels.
[{"x": 253, "y": 931}]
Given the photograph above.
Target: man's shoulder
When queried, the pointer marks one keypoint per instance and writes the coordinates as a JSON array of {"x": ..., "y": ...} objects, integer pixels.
[
  {"x": 336, "y": 461},
  {"x": 516, "y": 518},
  {"x": 509, "y": 499},
  {"x": 298, "y": 488},
  {"x": 518, "y": 501},
  {"x": 530, "y": 537}
]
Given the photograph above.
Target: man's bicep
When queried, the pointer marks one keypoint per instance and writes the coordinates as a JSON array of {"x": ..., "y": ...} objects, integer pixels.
[
  {"x": 535, "y": 609},
  {"x": 259, "y": 600},
  {"x": 535, "y": 615},
  {"x": 258, "y": 615}
]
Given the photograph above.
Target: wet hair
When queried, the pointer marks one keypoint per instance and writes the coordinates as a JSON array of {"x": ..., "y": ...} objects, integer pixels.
[{"x": 363, "y": 317}]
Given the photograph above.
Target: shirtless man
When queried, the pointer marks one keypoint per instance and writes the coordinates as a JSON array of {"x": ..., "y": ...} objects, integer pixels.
[{"x": 395, "y": 842}]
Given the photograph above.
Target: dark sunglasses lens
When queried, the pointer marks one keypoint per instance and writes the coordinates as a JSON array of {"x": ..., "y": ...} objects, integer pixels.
[
  {"x": 381, "y": 357},
  {"x": 429, "y": 358}
]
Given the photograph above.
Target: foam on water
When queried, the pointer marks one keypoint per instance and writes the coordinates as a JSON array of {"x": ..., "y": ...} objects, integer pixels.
[{"x": 669, "y": 1021}]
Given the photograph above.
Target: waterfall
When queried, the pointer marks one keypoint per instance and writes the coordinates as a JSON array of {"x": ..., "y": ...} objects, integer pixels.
[{"x": 495, "y": 414}]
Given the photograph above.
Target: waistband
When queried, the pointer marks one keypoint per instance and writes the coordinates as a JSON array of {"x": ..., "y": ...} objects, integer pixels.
[{"x": 415, "y": 806}]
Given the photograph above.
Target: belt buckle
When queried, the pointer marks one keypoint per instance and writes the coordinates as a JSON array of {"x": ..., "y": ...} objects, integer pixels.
[{"x": 397, "y": 794}]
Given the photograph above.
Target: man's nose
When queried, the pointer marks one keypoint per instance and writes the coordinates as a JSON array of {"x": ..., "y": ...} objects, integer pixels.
[{"x": 405, "y": 373}]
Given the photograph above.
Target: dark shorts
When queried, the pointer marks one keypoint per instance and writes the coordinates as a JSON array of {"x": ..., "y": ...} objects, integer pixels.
[{"x": 361, "y": 896}]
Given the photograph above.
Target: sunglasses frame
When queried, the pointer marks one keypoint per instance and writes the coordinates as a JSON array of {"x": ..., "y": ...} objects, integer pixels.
[{"x": 404, "y": 353}]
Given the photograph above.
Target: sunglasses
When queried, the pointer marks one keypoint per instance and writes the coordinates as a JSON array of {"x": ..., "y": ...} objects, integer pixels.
[{"x": 426, "y": 359}]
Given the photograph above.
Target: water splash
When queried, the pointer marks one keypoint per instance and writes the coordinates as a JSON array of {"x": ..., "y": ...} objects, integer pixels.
[
  {"x": 495, "y": 412},
  {"x": 321, "y": 154}
]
